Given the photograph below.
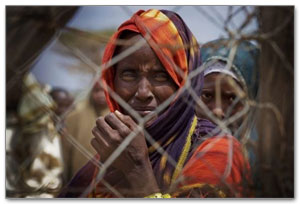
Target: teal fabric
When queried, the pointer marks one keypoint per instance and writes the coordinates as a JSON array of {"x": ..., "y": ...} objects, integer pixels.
[{"x": 245, "y": 60}]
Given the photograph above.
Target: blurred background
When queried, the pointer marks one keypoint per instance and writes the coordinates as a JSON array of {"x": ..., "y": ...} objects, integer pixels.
[{"x": 52, "y": 61}]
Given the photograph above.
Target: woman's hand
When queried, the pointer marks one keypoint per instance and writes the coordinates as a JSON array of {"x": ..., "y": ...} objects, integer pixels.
[
  {"x": 110, "y": 131},
  {"x": 133, "y": 161}
]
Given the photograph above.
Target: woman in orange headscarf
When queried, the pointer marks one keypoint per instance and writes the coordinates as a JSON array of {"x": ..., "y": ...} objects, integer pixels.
[{"x": 162, "y": 160}]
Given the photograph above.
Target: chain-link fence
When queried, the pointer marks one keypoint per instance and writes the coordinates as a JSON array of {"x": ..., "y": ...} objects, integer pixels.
[{"x": 262, "y": 122}]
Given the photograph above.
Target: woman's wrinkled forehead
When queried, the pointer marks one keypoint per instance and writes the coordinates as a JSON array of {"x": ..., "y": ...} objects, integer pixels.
[{"x": 143, "y": 58}]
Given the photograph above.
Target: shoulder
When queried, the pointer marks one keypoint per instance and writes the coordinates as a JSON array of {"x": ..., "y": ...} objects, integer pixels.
[
  {"x": 216, "y": 156},
  {"x": 220, "y": 145}
]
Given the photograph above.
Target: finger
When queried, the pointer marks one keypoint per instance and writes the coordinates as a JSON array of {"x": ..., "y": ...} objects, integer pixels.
[
  {"x": 127, "y": 120},
  {"x": 110, "y": 135},
  {"x": 106, "y": 131},
  {"x": 117, "y": 124},
  {"x": 95, "y": 144},
  {"x": 98, "y": 137}
]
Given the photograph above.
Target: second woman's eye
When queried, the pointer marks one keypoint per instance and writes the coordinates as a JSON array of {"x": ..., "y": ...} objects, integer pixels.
[
  {"x": 206, "y": 95},
  {"x": 161, "y": 76},
  {"x": 128, "y": 75},
  {"x": 232, "y": 97}
]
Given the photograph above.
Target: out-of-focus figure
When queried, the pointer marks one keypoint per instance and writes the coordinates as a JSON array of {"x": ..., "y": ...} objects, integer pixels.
[
  {"x": 33, "y": 155},
  {"x": 79, "y": 125},
  {"x": 62, "y": 99},
  {"x": 33, "y": 149}
]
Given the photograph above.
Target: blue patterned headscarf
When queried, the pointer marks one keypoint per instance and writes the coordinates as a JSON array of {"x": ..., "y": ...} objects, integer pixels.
[{"x": 244, "y": 64}]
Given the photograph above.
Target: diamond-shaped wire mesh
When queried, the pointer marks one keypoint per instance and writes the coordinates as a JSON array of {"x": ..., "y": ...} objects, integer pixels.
[{"x": 35, "y": 133}]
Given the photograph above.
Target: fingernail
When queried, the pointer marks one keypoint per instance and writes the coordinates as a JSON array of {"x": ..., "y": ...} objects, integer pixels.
[{"x": 118, "y": 113}]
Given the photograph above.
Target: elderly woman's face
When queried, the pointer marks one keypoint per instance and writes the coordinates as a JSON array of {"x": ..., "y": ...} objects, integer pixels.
[{"x": 142, "y": 81}]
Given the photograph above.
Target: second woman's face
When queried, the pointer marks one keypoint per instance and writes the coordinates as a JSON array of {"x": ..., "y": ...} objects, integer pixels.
[
  {"x": 142, "y": 81},
  {"x": 219, "y": 98}
]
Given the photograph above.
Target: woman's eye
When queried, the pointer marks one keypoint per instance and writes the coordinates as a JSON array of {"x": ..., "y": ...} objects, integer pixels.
[
  {"x": 128, "y": 75},
  {"x": 206, "y": 96},
  {"x": 161, "y": 77},
  {"x": 232, "y": 97}
]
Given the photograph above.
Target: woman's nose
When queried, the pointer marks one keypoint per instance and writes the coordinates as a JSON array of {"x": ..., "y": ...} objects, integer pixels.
[
  {"x": 218, "y": 112},
  {"x": 144, "y": 91}
]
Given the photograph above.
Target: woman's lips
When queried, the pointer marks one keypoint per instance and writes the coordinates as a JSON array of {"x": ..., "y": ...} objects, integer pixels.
[{"x": 144, "y": 112}]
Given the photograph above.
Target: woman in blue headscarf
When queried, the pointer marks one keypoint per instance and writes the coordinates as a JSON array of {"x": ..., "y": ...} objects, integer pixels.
[{"x": 230, "y": 82}]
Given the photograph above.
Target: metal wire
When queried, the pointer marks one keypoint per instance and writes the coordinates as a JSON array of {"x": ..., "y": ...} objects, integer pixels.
[{"x": 223, "y": 125}]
